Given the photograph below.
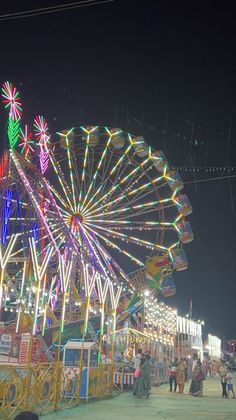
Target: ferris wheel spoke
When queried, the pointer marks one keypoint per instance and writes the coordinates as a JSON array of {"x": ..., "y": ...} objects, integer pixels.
[
  {"x": 102, "y": 185},
  {"x": 121, "y": 208},
  {"x": 118, "y": 183},
  {"x": 116, "y": 265},
  {"x": 145, "y": 208},
  {"x": 76, "y": 171},
  {"x": 122, "y": 193},
  {"x": 57, "y": 194},
  {"x": 114, "y": 224},
  {"x": 68, "y": 150},
  {"x": 113, "y": 245},
  {"x": 137, "y": 210},
  {"x": 85, "y": 158},
  {"x": 95, "y": 248},
  {"x": 124, "y": 237},
  {"x": 121, "y": 166},
  {"x": 123, "y": 226},
  {"x": 54, "y": 213},
  {"x": 100, "y": 166},
  {"x": 64, "y": 186},
  {"x": 124, "y": 180},
  {"x": 101, "y": 181},
  {"x": 125, "y": 195}
]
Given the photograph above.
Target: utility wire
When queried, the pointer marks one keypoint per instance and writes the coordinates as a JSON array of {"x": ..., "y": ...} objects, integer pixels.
[
  {"x": 210, "y": 179},
  {"x": 52, "y": 9}
]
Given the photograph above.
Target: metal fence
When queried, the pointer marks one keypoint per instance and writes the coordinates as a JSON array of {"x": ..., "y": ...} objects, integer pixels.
[{"x": 46, "y": 387}]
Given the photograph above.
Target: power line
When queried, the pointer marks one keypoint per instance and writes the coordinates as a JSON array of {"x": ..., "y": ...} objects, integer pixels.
[
  {"x": 209, "y": 169},
  {"x": 52, "y": 9},
  {"x": 210, "y": 179}
]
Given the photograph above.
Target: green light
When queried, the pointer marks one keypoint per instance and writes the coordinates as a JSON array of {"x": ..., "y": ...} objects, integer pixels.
[{"x": 13, "y": 131}]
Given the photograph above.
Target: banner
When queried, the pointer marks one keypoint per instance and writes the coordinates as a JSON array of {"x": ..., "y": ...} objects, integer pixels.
[{"x": 5, "y": 343}]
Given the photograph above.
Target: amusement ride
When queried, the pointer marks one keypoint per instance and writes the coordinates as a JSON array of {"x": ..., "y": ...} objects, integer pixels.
[
  {"x": 92, "y": 222},
  {"x": 81, "y": 209}
]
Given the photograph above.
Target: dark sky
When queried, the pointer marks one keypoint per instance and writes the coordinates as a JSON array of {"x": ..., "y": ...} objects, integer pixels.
[{"x": 165, "y": 69}]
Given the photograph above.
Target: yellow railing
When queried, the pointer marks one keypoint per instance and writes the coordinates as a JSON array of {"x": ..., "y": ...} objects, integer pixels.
[{"x": 46, "y": 387}]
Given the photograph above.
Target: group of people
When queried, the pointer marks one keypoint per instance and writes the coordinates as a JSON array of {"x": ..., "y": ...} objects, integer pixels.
[
  {"x": 226, "y": 380},
  {"x": 179, "y": 376}
]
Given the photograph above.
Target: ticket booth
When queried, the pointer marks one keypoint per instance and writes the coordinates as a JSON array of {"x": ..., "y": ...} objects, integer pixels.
[{"x": 71, "y": 367}]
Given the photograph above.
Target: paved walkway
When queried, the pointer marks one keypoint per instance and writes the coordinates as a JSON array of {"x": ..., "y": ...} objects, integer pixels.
[{"x": 161, "y": 405}]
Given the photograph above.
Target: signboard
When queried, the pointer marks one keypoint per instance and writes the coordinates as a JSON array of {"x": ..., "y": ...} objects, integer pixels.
[
  {"x": 24, "y": 348},
  {"x": 5, "y": 343}
]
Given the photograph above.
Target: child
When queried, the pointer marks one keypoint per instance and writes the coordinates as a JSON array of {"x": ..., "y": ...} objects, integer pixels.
[{"x": 229, "y": 379}]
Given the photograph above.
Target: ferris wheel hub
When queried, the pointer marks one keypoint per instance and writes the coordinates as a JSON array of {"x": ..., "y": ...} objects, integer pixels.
[{"x": 76, "y": 221}]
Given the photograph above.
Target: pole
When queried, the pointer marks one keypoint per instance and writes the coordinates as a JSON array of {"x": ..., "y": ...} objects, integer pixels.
[
  {"x": 80, "y": 361},
  {"x": 191, "y": 308},
  {"x": 58, "y": 371},
  {"x": 102, "y": 308}
]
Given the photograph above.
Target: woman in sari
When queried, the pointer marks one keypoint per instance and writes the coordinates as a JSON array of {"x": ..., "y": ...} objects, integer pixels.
[
  {"x": 181, "y": 375},
  {"x": 143, "y": 383},
  {"x": 196, "y": 386}
]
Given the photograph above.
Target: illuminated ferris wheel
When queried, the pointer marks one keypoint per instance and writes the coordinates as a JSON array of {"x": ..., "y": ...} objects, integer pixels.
[
  {"x": 118, "y": 197},
  {"x": 90, "y": 196}
]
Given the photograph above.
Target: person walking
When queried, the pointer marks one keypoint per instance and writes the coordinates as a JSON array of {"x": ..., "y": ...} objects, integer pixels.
[
  {"x": 173, "y": 374},
  {"x": 222, "y": 370},
  {"x": 136, "y": 363},
  {"x": 142, "y": 384},
  {"x": 181, "y": 375},
  {"x": 229, "y": 380},
  {"x": 205, "y": 365},
  {"x": 196, "y": 387},
  {"x": 147, "y": 371},
  {"x": 186, "y": 369}
]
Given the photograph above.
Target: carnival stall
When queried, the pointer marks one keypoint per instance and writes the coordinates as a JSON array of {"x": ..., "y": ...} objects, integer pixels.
[
  {"x": 189, "y": 338},
  {"x": 127, "y": 342},
  {"x": 213, "y": 353},
  {"x": 73, "y": 352},
  {"x": 160, "y": 325}
]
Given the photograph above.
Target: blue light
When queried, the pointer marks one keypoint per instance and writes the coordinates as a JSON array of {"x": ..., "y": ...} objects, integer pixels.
[
  {"x": 6, "y": 216},
  {"x": 35, "y": 232}
]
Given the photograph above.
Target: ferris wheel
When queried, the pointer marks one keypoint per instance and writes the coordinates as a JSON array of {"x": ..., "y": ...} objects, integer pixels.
[
  {"x": 118, "y": 197},
  {"x": 94, "y": 195}
]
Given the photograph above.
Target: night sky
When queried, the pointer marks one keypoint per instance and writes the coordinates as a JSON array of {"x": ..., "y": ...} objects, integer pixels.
[{"x": 162, "y": 69}]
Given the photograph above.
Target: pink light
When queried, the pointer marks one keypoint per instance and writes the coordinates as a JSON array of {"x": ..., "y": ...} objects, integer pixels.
[
  {"x": 41, "y": 132},
  {"x": 43, "y": 158},
  {"x": 42, "y": 137},
  {"x": 27, "y": 141}
]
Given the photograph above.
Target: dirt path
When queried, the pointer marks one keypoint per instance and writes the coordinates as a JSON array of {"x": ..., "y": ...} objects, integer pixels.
[{"x": 161, "y": 405}]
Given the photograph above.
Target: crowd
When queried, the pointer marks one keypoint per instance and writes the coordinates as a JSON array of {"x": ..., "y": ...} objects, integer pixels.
[{"x": 178, "y": 376}]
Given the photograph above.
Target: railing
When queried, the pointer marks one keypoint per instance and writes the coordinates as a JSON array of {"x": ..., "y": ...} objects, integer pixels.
[
  {"x": 123, "y": 379},
  {"x": 47, "y": 387}
]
